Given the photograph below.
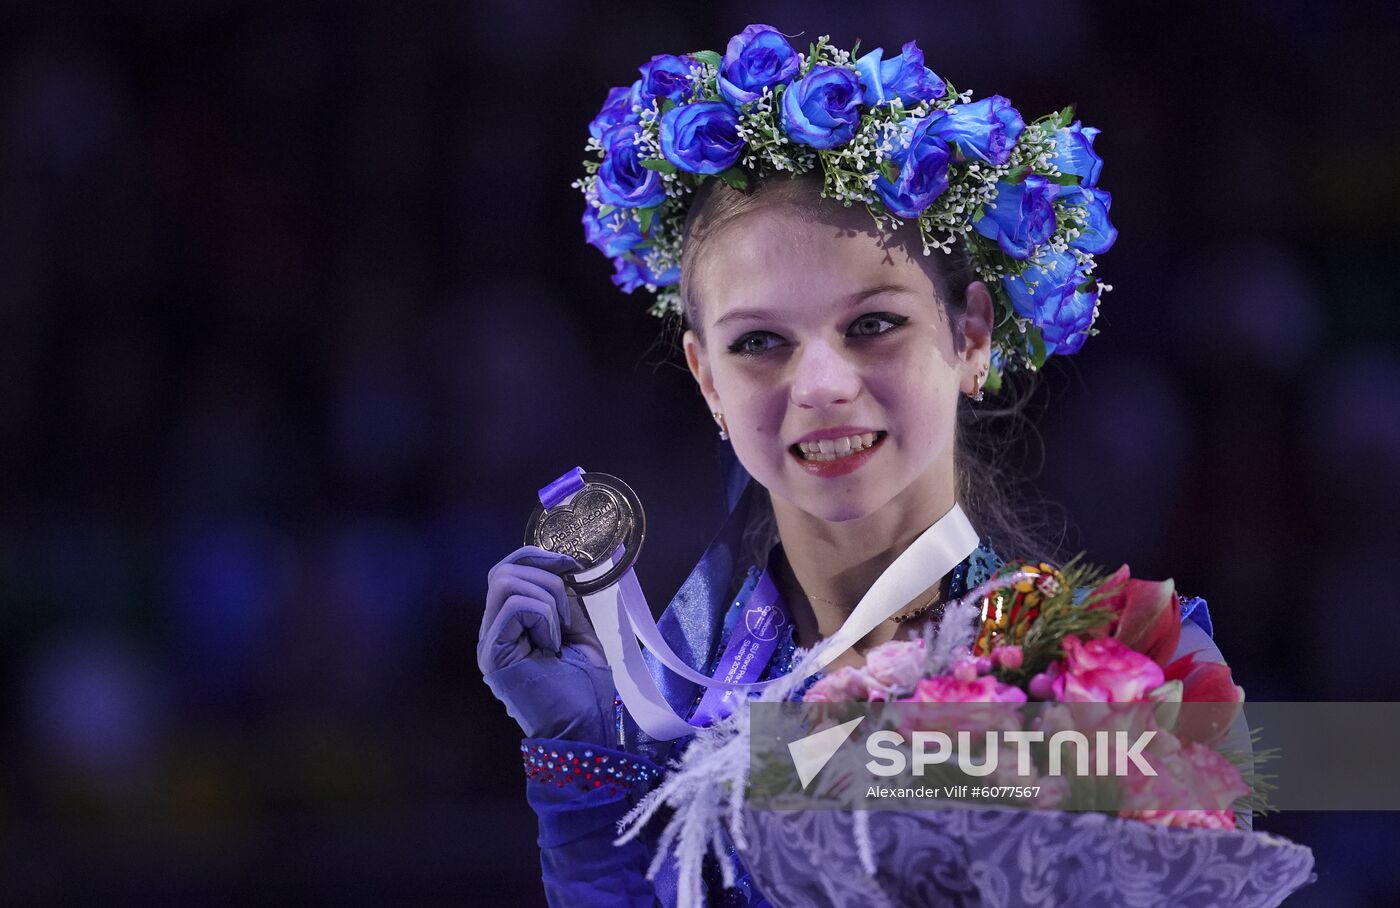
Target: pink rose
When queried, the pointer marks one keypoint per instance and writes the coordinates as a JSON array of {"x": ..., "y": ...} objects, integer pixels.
[
  {"x": 1105, "y": 671},
  {"x": 844, "y": 684},
  {"x": 1184, "y": 819},
  {"x": 898, "y": 664},
  {"x": 1194, "y": 788},
  {"x": 1054, "y": 791},
  {"x": 950, "y": 689},
  {"x": 1009, "y": 656},
  {"x": 1042, "y": 686},
  {"x": 977, "y": 704}
]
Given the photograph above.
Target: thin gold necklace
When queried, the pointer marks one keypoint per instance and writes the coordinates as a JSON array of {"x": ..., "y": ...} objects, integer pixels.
[{"x": 915, "y": 612}]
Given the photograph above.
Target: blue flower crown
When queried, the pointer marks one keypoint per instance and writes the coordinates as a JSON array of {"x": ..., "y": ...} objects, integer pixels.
[{"x": 1022, "y": 198}]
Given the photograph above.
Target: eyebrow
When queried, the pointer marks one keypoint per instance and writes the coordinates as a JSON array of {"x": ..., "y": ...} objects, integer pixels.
[{"x": 737, "y": 315}]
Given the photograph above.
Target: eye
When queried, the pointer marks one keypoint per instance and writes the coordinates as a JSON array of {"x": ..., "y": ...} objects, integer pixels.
[
  {"x": 754, "y": 343},
  {"x": 873, "y": 323}
]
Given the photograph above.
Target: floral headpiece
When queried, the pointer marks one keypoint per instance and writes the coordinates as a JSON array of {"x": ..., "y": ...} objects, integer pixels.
[{"x": 1023, "y": 198}]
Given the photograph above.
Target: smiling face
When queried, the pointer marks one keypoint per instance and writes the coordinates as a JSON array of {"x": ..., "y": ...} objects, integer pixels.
[{"x": 832, "y": 359}]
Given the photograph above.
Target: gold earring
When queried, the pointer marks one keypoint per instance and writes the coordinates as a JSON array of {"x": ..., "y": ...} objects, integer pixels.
[
  {"x": 723, "y": 429},
  {"x": 981, "y": 377}
]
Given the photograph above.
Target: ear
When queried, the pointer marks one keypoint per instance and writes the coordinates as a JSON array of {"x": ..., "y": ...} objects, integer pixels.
[
  {"x": 977, "y": 322},
  {"x": 700, "y": 368}
]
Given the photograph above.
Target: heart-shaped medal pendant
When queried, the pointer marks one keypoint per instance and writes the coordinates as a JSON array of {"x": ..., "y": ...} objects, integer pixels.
[{"x": 601, "y": 518}]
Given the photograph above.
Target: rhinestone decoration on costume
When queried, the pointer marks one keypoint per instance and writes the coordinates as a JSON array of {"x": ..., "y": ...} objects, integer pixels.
[{"x": 582, "y": 768}]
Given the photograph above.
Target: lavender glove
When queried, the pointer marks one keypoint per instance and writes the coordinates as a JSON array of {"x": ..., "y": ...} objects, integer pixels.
[{"x": 538, "y": 653}]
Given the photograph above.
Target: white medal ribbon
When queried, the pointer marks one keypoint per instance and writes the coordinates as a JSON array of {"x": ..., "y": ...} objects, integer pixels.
[{"x": 620, "y": 616}]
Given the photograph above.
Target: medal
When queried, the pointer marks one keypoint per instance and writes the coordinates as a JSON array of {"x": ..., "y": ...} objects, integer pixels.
[
  {"x": 600, "y": 519},
  {"x": 597, "y": 519}
]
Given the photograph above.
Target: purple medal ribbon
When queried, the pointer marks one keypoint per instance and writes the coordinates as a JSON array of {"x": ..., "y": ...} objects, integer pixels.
[
  {"x": 620, "y": 618},
  {"x": 751, "y": 645}
]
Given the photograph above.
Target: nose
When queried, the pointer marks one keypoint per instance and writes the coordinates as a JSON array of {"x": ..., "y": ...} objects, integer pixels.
[{"x": 823, "y": 376}]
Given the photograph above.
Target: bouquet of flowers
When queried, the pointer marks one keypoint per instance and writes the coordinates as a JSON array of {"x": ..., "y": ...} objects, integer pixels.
[
  {"x": 1046, "y": 638},
  {"x": 1036, "y": 651}
]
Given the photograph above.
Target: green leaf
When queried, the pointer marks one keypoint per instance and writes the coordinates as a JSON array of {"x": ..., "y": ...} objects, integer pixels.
[
  {"x": 605, "y": 210},
  {"x": 1066, "y": 116},
  {"x": 709, "y": 57},
  {"x": 659, "y": 165},
  {"x": 890, "y": 171},
  {"x": 735, "y": 177},
  {"x": 855, "y": 48},
  {"x": 1064, "y": 179},
  {"x": 1038, "y": 352},
  {"x": 1017, "y": 174},
  {"x": 646, "y": 215},
  {"x": 666, "y": 104}
]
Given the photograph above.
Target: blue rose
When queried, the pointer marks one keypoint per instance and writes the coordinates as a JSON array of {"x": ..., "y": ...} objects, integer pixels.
[
  {"x": 617, "y": 109},
  {"x": 702, "y": 137},
  {"x": 758, "y": 57},
  {"x": 1021, "y": 217},
  {"x": 622, "y": 180},
  {"x": 1074, "y": 153},
  {"x": 923, "y": 173},
  {"x": 904, "y": 77},
  {"x": 1047, "y": 293},
  {"x": 630, "y": 272},
  {"x": 612, "y": 235},
  {"x": 1098, "y": 233},
  {"x": 665, "y": 76},
  {"x": 985, "y": 129},
  {"x": 822, "y": 109},
  {"x": 1066, "y": 330}
]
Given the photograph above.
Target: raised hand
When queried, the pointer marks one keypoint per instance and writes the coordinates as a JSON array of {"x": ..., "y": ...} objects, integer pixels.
[{"x": 538, "y": 652}]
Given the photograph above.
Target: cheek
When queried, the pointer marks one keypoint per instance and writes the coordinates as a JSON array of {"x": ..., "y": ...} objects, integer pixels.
[
  {"x": 922, "y": 397},
  {"x": 754, "y": 411}
]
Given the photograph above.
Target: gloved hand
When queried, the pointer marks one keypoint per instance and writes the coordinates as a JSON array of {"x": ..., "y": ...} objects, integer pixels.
[{"x": 538, "y": 652}]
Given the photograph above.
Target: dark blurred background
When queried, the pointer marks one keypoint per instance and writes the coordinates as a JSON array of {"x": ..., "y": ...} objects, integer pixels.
[{"x": 296, "y": 313}]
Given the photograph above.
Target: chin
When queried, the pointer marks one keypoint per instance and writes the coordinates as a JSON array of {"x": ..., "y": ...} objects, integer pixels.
[
  {"x": 833, "y": 508},
  {"x": 841, "y": 514}
]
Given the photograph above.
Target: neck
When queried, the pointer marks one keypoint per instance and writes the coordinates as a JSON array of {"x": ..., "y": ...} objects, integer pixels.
[{"x": 829, "y": 565}]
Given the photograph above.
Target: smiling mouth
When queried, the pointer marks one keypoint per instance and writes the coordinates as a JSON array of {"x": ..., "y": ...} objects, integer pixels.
[{"x": 833, "y": 449}]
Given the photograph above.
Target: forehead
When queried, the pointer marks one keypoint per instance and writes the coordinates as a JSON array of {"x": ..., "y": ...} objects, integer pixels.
[{"x": 794, "y": 262}]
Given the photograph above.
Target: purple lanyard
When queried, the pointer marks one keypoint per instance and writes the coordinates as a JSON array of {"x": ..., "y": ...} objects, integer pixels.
[{"x": 752, "y": 641}]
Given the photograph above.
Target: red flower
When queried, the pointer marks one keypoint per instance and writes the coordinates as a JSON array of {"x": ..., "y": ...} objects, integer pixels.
[
  {"x": 1147, "y": 614},
  {"x": 1218, "y": 699}
]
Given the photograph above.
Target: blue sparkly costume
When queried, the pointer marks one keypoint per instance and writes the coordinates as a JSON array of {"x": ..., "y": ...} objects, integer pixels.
[{"x": 580, "y": 791}]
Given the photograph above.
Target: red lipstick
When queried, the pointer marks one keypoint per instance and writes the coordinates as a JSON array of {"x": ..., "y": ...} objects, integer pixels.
[{"x": 841, "y": 466}]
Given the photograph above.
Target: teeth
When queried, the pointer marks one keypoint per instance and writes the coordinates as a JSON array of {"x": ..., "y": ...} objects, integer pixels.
[{"x": 833, "y": 448}]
